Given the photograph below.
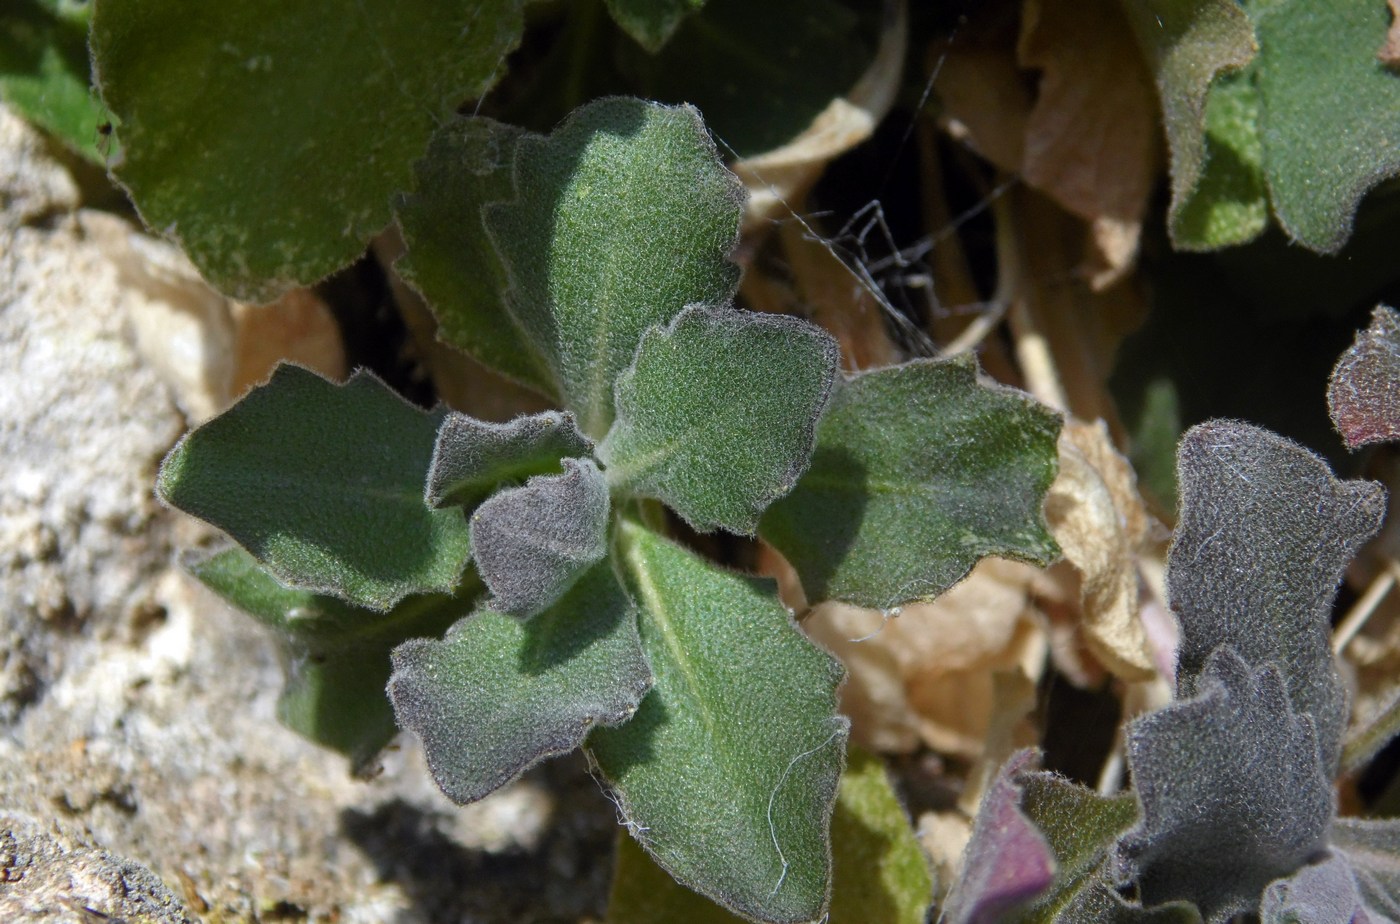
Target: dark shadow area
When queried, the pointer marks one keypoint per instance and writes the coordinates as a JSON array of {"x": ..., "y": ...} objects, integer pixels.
[
  {"x": 815, "y": 526},
  {"x": 626, "y": 746},
  {"x": 563, "y": 878},
  {"x": 588, "y": 613},
  {"x": 1079, "y": 728}
]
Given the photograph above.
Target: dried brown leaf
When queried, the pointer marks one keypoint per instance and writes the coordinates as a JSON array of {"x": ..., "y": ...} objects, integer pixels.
[
  {"x": 927, "y": 674},
  {"x": 1098, "y": 519},
  {"x": 985, "y": 102},
  {"x": 1092, "y": 141},
  {"x": 1389, "y": 54}
]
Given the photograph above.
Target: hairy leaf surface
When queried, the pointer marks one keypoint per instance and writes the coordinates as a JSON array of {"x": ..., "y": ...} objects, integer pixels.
[
  {"x": 267, "y": 138},
  {"x": 878, "y": 870},
  {"x": 44, "y": 69},
  {"x": 1372, "y": 848},
  {"x": 472, "y": 457},
  {"x": 717, "y": 414},
  {"x": 1363, "y": 394},
  {"x": 531, "y": 543},
  {"x": 652, "y": 22},
  {"x": 728, "y": 773},
  {"x": 497, "y": 695},
  {"x": 1264, "y": 534},
  {"x": 1190, "y": 45},
  {"x": 1319, "y": 893},
  {"x": 622, "y": 217},
  {"x": 1081, "y": 828},
  {"x": 1233, "y": 792},
  {"x": 1008, "y": 862},
  {"x": 919, "y": 471},
  {"x": 323, "y": 483},
  {"x": 451, "y": 260},
  {"x": 1328, "y": 121},
  {"x": 337, "y": 655}
]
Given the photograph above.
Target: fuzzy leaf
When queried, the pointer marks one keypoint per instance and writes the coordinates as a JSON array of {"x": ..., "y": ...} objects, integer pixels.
[
  {"x": 919, "y": 471},
  {"x": 497, "y": 695},
  {"x": 623, "y": 216},
  {"x": 1233, "y": 792},
  {"x": 1264, "y": 534},
  {"x": 652, "y": 22},
  {"x": 1081, "y": 828},
  {"x": 717, "y": 414},
  {"x": 44, "y": 70},
  {"x": 1373, "y": 850},
  {"x": 1008, "y": 862},
  {"x": 728, "y": 773},
  {"x": 1100, "y": 903},
  {"x": 1319, "y": 893},
  {"x": 532, "y": 543},
  {"x": 337, "y": 655},
  {"x": 323, "y": 483},
  {"x": 1364, "y": 392},
  {"x": 268, "y": 137},
  {"x": 451, "y": 260},
  {"x": 1329, "y": 126},
  {"x": 1190, "y": 43},
  {"x": 471, "y": 457},
  {"x": 878, "y": 871}
]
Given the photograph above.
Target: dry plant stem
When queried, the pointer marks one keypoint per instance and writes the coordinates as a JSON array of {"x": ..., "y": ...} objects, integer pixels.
[
  {"x": 1375, "y": 734},
  {"x": 1033, "y": 351},
  {"x": 1362, "y": 610}
]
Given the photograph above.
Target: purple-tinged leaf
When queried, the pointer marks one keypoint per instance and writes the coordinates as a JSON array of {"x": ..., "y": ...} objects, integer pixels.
[
  {"x": 1008, "y": 862},
  {"x": 1233, "y": 792},
  {"x": 1373, "y": 849},
  {"x": 532, "y": 543},
  {"x": 1264, "y": 535},
  {"x": 471, "y": 457},
  {"x": 1319, "y": 893},
  {"x": 1364, "y": 393}
]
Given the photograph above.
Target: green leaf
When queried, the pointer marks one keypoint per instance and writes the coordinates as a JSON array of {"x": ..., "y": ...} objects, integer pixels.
[
  {"x": 623, "y": 217},
  {"x": 717, "y": 413},
  {"x": 1264, "y": 534},
  {"x": 1372, "y": 847},
  {"x": 472, "y": 457},
  {"x": 337, "y": 655},
  {"x": 1230, "y": 203},
  {"x": 498, "y": 695},
  {"x": 531, "y": 543},
  {"x": 44, "y": 70},
  {"x": 651, "y": 22},
  {"x": 1081, "y": 828},
  {"x": 1191, "y": 43},
  {"x": 323, "y": 483},
  {"x": 878, "y": 869},
  {"x": 1329, "y": 113},
  {"x": 919, "y": 471},
  {"x": 728, "y": 773},
  {"x": 451, "y": 260},
  {"x": 1362, "y": 391},
  {"x": 268, "y": 137}
]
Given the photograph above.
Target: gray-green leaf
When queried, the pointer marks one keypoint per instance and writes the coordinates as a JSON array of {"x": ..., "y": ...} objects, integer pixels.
[
  {"x": 451, "y": 260},
  {"x": 323, "y": 483},
  {"x": 472, "y": 457},
  {"x": 531, "y": 543},
  {"x": 498, "y": 695},
  {"x": 1324, "y": 892},
  {"x": 1234, "y": 793},
  {"x": 728, "y": 773},
  {"x": 268, "y": 137},
  {"x": 1264, "y": 534},
  {"x": 716, "y": 415},
  {"x": 919, "y": 471},
  {"x": 623, "y": 216},
  {"x": 337, "y": 655},
  {"x": 1372, "y": 847}
]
